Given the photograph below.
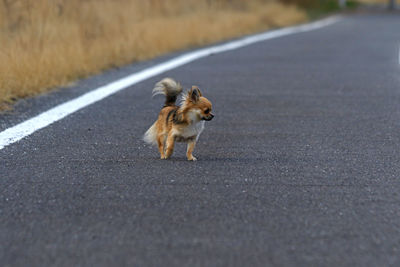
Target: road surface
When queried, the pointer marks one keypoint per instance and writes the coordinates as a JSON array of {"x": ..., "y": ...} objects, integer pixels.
[{"x": 300, "y": 166}]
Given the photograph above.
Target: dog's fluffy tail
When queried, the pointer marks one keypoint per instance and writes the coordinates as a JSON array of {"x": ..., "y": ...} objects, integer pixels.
[
  {"x": 150, "y": 136},
  {"x": 170, "y": 88}
]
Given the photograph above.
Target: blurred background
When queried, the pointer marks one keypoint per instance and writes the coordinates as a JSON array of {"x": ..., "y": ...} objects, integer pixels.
[{"x": 48, "y": 43}]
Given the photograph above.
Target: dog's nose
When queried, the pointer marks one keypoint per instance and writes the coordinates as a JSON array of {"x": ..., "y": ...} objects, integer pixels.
[{"x": 209, "y": 117}]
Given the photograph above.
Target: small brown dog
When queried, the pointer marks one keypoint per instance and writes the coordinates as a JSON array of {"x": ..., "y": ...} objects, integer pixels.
[{"x": 178, "y": 123}]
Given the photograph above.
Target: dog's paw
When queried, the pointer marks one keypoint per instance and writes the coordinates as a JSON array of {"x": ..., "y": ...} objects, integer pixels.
[{"x": 192, "y": 159}]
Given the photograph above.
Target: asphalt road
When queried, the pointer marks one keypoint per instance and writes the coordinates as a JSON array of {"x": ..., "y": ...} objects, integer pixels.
[{"x": 300, "y": 166}]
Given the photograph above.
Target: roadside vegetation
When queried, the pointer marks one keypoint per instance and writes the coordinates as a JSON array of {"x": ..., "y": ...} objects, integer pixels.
[{"x": 50, "y": 43}]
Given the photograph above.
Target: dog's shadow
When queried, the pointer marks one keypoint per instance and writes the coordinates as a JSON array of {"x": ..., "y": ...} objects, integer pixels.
[{"x": 208, "y": 159}]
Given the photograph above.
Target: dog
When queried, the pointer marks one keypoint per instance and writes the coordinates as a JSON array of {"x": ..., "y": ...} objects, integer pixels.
[{"x": 182, "y": 123}]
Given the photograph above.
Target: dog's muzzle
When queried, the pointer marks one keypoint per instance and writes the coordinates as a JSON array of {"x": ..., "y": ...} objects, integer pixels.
[{"x": 208, "y": 118}]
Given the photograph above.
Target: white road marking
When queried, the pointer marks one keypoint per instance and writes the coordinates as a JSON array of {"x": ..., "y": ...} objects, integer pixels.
[{"x": 26, "y": 128}]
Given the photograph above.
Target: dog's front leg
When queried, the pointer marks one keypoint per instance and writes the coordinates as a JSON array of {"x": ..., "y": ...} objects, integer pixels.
[
  {"x": 189, "y": 151},
  {"x": 161, "y": 145},
  {"x": 170, "y": 145}
]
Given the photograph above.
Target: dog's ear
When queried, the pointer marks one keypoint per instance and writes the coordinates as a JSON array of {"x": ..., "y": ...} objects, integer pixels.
[{"x": 195, "y": 94}]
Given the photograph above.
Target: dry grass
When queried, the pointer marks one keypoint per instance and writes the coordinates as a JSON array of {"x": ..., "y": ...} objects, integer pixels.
[{"x": 47, "y": 43}]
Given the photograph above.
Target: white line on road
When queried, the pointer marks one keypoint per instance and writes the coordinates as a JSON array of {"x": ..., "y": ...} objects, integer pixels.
[{"x": 26, "y": 128}]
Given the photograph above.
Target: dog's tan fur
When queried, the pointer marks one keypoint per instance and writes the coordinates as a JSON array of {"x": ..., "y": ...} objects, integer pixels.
[{"x": 178, "y": 123}]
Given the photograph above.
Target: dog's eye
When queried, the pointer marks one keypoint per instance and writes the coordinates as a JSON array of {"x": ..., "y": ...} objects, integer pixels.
[{"x": 206, "y": 111}]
